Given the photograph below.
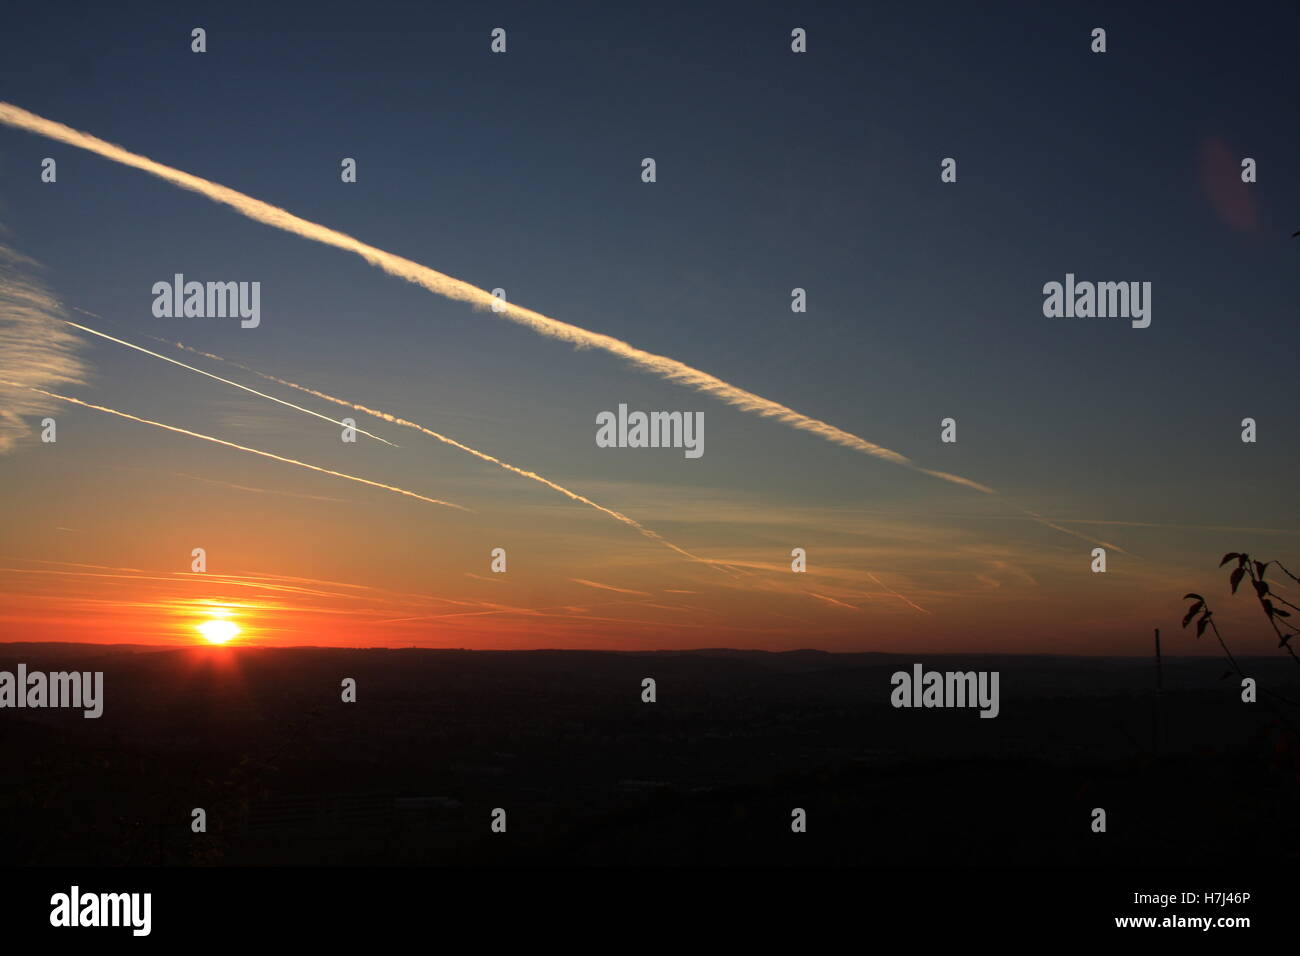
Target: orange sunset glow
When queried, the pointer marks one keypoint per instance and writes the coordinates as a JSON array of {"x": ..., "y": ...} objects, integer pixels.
[
  {"x": 385, "y": 452},
  {"x": 218, "y": 630},
  {"x": 763, "y": 443}
]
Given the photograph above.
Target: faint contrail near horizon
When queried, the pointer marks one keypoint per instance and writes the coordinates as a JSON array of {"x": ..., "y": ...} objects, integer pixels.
[
  {"x": 452, "y": 288},
  {"x": 896, "y": 594},
  {"x": 230, "y": 444},
  {"x": 395, "y": 420},
  {"x": 279, "y": 401}
]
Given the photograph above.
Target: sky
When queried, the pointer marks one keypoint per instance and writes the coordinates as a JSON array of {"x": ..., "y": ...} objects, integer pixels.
[{"x": 775, "y": 170}]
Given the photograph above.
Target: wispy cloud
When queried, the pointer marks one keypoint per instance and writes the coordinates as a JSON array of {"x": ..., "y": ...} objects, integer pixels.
[{"x": 36, "y": 348}]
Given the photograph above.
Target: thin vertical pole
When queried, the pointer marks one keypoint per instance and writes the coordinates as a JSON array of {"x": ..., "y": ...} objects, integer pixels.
[{"x": 1160, "y": 705}]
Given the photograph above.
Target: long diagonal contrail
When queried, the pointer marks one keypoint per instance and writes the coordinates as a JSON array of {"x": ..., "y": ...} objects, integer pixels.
[
  {"x": 230, "y": 444},
  {"x": 385, "y": 416},
  {"x": 395, "y": 420},
  {"x": 445, "y": 285},
  {"x": 279, "y": 401}
]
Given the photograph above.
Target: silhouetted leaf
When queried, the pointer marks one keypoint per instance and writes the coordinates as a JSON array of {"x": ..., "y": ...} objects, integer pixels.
[
  {"x": 1236, "y": 578},
  {"x": 1228, "y": 557},
  {"x": 1193, "y": 595},
  {"x": 1260, "y": 566},
  {"x": 1261, "y": 587},
  {"x": 1192, "y": 612},
  {"x": 1268, "y": 607},
  {"x": 1281, "y": 613},
  {"x": 1200, "y": 625}
]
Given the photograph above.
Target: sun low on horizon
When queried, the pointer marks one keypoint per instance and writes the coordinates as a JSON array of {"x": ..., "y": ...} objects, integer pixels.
[
  {"x": 848, "y": 388},
  {"x": 218, "y": 630},
  {"x": 216, "y": 626}
]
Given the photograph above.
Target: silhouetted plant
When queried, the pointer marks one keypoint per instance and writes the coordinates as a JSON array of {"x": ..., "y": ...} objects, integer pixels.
[{"x": 1277, "y": 617}]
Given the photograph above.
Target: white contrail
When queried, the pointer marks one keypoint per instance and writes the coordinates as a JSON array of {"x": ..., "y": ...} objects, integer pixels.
[
  {"x": 452, "y": 288},
  {"x": 230, "y": 444},
  {"x": 1056, "y": 527},
  {"x": 253, "y": 391},
  {"x": 895, "y": 593},
  {"x": 385, "y": 416},
  {"x": 393, "y": 419}
]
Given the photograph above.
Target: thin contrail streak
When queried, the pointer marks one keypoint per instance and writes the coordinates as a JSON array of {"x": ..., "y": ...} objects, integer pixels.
[
  {"x": 385, "y": 416},
  {"x": 393, "y": 419},
  {"x": 452, "y": 288},
  {"x": 253, "y": 391},
  {"x": 230, "y": 444},
  {"x": 835, "y": 601},
  {"x": 1056, "y": 527},
  {"x": 895, "y": 593}
]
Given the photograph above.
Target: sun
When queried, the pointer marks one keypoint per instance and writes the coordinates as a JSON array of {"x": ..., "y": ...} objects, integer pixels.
[{"x": 218, "y": 631}]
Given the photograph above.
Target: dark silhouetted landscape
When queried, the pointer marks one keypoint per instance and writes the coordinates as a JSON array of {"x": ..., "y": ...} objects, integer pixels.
[{"x": 589, "y": 774}]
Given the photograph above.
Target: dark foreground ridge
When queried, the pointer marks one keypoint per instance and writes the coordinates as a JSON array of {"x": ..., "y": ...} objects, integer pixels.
[{"x": 589, "y": 774}]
